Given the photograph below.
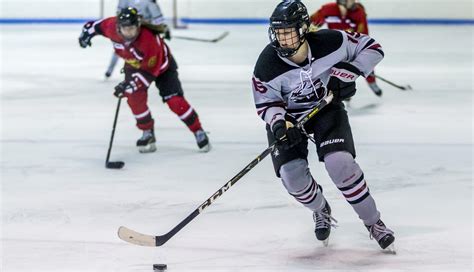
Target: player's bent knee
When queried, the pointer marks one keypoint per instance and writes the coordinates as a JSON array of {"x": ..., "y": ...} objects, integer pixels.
[
  {"x": 341, "y": 167},
  {"x": 295, "y": 175},
  {"x": 178, "y": 104}
]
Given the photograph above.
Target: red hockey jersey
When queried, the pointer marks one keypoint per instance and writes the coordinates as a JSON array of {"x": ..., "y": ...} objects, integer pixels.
[
  {"x": 147, "y": 53},
  {"x": 355, "y": 20}
]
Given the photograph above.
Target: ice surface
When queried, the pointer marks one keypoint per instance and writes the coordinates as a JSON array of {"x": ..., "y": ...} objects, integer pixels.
[{"x": 60, "y": 208}]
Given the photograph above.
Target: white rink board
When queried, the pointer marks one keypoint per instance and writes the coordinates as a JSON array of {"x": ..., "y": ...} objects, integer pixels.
[{"x": 427, "y": 9}]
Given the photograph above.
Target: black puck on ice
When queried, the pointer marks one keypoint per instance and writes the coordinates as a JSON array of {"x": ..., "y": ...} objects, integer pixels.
[{"x": 159, "y": 267}]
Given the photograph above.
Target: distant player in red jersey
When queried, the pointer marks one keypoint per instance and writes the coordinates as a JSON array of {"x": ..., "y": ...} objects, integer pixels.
[
  {"x": 345, "y": 15},
  {"x": 147, "y": 59}
]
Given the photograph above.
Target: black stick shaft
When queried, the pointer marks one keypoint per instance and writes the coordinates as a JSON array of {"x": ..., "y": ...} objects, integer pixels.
[
  {"x": 113, "y": 131},
  {"x": 222, "y": 36},
  {"x": 391, "y": 83},
  {"x": 160, "y": 240}
]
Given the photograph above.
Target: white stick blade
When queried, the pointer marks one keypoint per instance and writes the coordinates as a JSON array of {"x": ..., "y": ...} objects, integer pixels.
[{"x": 136, "y": 238}]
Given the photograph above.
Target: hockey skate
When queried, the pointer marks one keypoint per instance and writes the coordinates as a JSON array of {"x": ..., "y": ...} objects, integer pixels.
[
  {"x": 202, "y": 141},
  {"x": 146, "y": 143},
  {"x": 383, "y": 235},
  {"x": 375, "y": 88},
  {"x": 323, "y": 220}
]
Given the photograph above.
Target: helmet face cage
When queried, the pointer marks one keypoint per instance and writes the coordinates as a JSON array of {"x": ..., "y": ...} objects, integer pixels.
[
  {"x": 297, "y": 39},
  {"x": 126, "y": 18},
  {"x": 289, "y": 17}
]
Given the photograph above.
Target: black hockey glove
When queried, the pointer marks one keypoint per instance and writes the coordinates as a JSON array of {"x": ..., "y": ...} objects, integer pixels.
[
  {"x": 293, "y": 135},
  {"x": 86, "y": 35},
  {"x": 341, "y": 90},
  {"x": 342, "y": 81},
  {"x": 125, "y": 86},
  {"x": 167, "y": 33},
  {"x": 163, "y": 30}
]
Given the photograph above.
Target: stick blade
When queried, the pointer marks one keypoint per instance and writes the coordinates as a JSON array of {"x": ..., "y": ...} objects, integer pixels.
[
  {"x": 133, "y": 237},
  {"x": 222, "y": 36},
  {"x": 115, "y": 165}
]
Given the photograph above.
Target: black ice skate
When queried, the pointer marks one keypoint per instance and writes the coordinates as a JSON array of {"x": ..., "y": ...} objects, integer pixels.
[
  {"x": 375, "y": 88},
  {"x": 323, "y": 220},
  {"x": 202, "y": 141},
  {"x": 146, "y": 143},
  {"x": 383, "y": 235}
]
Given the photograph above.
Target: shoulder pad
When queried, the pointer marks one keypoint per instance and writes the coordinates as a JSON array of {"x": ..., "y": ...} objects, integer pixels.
[{"x": 269, "y": 65}]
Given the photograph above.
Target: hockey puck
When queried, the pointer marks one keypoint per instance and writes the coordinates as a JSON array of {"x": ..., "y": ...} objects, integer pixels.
[{"x": 159, "y": 267}]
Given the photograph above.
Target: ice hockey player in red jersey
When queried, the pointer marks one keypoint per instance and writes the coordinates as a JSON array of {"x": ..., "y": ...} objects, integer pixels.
[
  {"x": 346, "y": 15},
  {"x": 147, "y": 59},
  {"x": 151, "y": 15}
]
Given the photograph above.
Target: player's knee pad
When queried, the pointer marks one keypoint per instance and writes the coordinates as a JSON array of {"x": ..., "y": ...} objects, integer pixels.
[
  {"x": 137, "y": 101},
  {"x": 185, "y": 112},
  {"x": 295, "y": 175},
  {"x": 178, "y": 104},
  {"x": 342, "y": 168},
  {"x": 300, "y": 184}
]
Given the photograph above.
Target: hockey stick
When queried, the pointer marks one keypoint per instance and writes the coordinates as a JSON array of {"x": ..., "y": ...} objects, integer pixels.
[
  {"x": 222, "y": 36},
  {"x": 114, "y": 164},
  {"x": 140, "y": 239},
  {"x": 404, "y": 88}
]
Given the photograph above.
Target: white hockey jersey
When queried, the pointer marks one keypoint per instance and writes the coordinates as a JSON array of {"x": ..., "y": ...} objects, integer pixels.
[{"x": 281, "y": 86}]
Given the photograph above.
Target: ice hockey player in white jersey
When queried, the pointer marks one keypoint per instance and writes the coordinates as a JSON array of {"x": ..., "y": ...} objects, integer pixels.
[
  {"x": 295, "y": 71},
  {"x": 151, "y": 15}
]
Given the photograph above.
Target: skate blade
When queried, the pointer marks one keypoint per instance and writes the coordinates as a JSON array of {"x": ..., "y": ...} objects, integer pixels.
[
  {"x": 326, "y": 242},
  {"x": 205, "y": 148},
  {"x": 147, "y": 148},
  {"x": 390, "y": 249}
]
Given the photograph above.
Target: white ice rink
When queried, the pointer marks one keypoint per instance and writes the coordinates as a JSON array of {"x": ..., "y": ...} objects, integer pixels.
[{"x": 60, "y": 208}]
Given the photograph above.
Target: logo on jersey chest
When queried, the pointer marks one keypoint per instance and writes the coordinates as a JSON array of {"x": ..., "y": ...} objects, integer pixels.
[
  {"x": 133, "y": 62},
  {"x": 152, "y": 62},
  {"x": 133, "y": 57},
  {"x": 308, "y": 91}
]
